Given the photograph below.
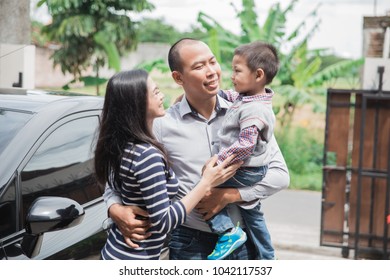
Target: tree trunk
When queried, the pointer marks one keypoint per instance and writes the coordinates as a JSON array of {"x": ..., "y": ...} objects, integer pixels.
[
  {"x": 97, "y": 80},
  {"x": 15, "y": 25}
]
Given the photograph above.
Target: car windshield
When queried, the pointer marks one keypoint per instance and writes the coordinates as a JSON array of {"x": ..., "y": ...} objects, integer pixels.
[{"x": 11, "y": 122}]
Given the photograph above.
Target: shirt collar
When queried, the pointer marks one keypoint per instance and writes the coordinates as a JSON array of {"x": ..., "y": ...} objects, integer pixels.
[
  {"x": 186, "y": 108},
  {"x": 267, "y": 96}
]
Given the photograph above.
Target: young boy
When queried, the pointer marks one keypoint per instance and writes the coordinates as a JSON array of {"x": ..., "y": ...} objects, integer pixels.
[{"x": 246, "y": 129}]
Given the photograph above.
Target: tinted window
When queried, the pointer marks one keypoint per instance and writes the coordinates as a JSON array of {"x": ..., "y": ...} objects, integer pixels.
[
  {"x": 10, "y": 124},
  {"x": 63, "y": 165},
  {"x": 8, "y": 211}
]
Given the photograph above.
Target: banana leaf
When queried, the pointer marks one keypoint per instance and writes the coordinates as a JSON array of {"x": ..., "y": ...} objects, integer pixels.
[
  {"x": 87, "y": 80},
  {"x": 339, "y": 69},
  {"x": 158, "y": 64},
  {"x": 110, "y": 50}
]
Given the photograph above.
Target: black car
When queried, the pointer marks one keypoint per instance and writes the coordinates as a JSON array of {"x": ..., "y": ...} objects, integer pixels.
[{"x": 50, "y": 204}]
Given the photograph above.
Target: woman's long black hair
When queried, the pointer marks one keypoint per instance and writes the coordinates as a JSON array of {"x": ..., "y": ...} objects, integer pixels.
[{"x": 123, "y": 120}]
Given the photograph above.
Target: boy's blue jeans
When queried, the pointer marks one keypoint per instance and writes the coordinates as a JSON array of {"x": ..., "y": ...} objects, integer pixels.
[
  {"x": 191, "y": 244},
  {"x": 253, "y": 218}
]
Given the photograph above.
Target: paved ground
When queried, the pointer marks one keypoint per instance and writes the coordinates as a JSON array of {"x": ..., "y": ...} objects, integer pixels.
[{"x": 293, "y": 218}]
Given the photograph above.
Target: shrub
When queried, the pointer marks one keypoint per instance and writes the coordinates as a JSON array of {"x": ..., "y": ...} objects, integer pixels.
[{"x": 303, "y": 154}]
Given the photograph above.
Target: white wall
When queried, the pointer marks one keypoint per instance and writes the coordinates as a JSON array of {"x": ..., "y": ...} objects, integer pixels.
[
  {"x": 15, "y": 59},
  {"x": 47, "y": 76},
  {"x": 371, "y": 76},
  {"x": 371, "y": 64}
]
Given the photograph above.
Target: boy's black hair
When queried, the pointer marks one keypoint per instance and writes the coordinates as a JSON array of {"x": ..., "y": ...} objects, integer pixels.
[{"x": 260, "y": 55}]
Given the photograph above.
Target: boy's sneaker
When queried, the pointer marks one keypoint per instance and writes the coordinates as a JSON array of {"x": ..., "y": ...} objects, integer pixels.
[{"x": 227, "y": 243}]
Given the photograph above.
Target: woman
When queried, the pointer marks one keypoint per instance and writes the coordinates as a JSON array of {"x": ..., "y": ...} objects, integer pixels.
[{"x": 131, "y": 161}]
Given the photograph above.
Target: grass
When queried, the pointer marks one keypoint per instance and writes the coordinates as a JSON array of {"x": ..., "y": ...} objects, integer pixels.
[{"x": 311, "y": 181}]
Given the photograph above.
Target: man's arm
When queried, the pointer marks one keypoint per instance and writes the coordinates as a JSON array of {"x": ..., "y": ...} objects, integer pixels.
[
  {"x": 276, "y": 179},
  {"x": 111, "y": 196},
  {"x": 127, "y": 218}
]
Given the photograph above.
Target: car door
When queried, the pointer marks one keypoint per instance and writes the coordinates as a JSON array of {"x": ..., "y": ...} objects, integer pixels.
[{"x": 59, "y": 164}]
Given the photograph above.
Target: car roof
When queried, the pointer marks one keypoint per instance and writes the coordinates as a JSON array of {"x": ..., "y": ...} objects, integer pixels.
[
  {"x": 26, "y": 103},
  {"x": 35, "y": 101}
]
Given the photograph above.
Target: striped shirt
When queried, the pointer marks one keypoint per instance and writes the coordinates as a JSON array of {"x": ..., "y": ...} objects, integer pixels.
[{"x": 147, "y": 183}]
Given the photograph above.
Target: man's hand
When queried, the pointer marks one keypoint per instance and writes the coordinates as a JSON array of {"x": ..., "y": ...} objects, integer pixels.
[
  {"x": 216, "y": 200},
  {"x": 129, "y": 223}
]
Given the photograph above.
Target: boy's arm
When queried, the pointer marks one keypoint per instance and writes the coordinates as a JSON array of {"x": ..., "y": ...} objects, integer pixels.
[
  {"x": 229, "y": 95},
  {"x": 243, "y": 147},
  {"x": 253, "y": 122}
]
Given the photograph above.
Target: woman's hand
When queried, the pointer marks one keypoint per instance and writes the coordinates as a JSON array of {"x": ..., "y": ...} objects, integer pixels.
[
  {"x": 127, "y": 218},
  {"x": 217, "y": 174}
]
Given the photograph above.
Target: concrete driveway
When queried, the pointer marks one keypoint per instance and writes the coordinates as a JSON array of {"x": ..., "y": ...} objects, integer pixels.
[{"x": 293, "y": 219}]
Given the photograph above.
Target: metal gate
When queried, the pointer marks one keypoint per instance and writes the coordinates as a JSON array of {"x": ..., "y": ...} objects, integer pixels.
[{"x": 355, "y": 212}]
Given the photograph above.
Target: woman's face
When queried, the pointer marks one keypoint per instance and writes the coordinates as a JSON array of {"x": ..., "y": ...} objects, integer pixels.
[{"x": 155, "y": 104}]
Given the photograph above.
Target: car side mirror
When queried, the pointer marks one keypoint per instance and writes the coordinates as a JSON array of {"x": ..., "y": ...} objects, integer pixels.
[{"x": 48, "y": 214}]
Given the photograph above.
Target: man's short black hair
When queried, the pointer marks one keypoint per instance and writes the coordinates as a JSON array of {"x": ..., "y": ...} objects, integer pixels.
[{"x": 174, "y": 60}]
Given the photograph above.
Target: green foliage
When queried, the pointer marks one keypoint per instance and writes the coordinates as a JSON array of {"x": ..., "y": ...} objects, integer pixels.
[
  {"x": 302, "y": 74},
  {"x": 88, "y": 81},
  {"x": 110, "y": 50},
  {"x": 309, "y": 181},
  {"x": 37, "y": 37},
  {"x": 349, "y": 68},
  {"x": 303, "y": 154},
  {"x": 91, "y": 32},
  {"x": 301, "y": 150},
  {"x": 157, "y": 30},
  {"x": 158, "y": 64}
]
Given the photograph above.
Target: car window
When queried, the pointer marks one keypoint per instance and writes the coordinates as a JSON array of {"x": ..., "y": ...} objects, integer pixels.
[
  {"x": 63, "y": 165},
  {"x": 8, "y": 218},
  {"x": 10, "y": 123}
]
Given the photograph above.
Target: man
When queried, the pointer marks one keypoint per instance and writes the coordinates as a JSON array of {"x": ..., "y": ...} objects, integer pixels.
[{"x": 188, "y": 132}]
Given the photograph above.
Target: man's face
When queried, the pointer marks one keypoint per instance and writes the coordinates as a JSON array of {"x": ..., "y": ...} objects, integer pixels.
[{"x": 201, "y": 72}]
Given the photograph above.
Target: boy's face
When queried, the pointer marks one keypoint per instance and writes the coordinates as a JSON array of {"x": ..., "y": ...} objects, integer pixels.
[
  {"x": 201, "y": 72},
  {"x": 244, "y": 80}
]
